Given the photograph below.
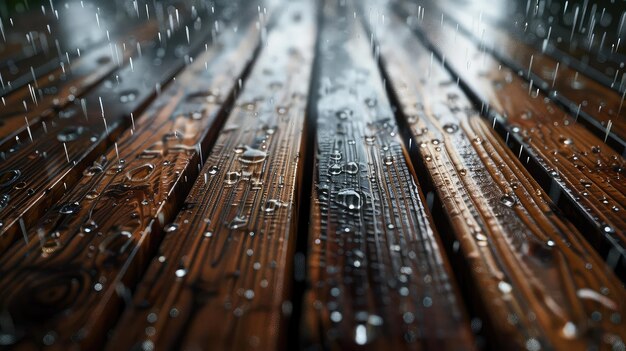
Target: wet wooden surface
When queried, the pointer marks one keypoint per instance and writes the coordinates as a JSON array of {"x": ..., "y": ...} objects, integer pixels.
[{"x": 441, "y": 175}]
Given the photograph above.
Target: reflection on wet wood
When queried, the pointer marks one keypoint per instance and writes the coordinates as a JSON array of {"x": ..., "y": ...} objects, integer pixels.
[
  {"x": 41, "y": 100},
  {"x": 533, "y": 275},
  {"x": 94, "y": 244},
  {"x": 61, "y": 149},
  {"x": 222, "y": 275},
  {"x": 378, "y": 275},
  {"x": 599, "y": 107},
  {"x": 581, "y": 174},
  {"x": 56, "y": 38}
]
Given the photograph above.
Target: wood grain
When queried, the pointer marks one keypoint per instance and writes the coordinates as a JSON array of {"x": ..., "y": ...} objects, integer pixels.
[
  {"x": 581, "y": 174},
  {"x": 533, "y": 277},
  {"x": 590, "y": 102},
  {"x": 222, "y": 277},
  {"x": 378, "y": 275},
  {"x": 80, "y": 265},
  {"x": 64, "y": 147}
]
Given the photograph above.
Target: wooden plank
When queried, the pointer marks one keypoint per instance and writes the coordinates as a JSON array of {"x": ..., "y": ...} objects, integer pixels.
[
  {"x": 97, "y": 253},
  {"x": 62, "y": 148},
  {"x": 222, "y": 277},
  {"x": 598, "y": 107},
  {"x": 581, "y": 174},
  {"x": 64, "y": 85},
  {"x": 378, "y": 275},
  {"x": 531, "y": 276}
]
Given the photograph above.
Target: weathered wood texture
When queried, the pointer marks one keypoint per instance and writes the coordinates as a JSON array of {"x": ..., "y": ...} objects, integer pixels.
[
  {"x": 64, "y": 287},
  {"x": 378, "y": 275},
  {"x": 222, "y": 275},
  {"x": 583, "y": 176},
  {"x": 534, "y": 277}
]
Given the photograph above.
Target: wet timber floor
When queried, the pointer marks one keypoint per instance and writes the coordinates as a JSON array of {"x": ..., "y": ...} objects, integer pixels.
[{"x": 312, "y": 175}]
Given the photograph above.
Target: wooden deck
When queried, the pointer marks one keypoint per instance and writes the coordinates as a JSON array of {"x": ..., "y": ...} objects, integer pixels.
[{"x": 315, "y": 175}]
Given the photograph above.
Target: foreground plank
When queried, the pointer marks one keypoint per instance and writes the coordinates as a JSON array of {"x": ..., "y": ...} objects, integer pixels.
[
  {"x": 62, "y": 148},
  {"x": 98, "y": 252},
  {"x": 378, "y": 276},
  {"x": 221, "y": 280},
  {"x": 530, "y": 275},
  {"x": 583, "y": 176}
]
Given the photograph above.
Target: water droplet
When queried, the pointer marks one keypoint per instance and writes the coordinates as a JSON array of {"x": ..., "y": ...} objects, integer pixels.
[
  {"x": 450, "y": 128},
  {"x": 350, "y": 199},
  {"x": 213, "y": 170},
  {"x": 238, "y": 222},
  {"x": 128, "y": 96},
  {"x": 334, "y": 169},
  {"x": 140, "y": 173},
  {"x": 70, "y": 208},
  {"x": 566, "y": 141},
  {"x": 271, "y": 206},
  {"x": 508, "y": 200},
  {"x": 335, "y": 155},
  {"x": 388, "y": 160},
  {"x": 505, "y": 287},
  {"x": 351, "y": 168},
  {"x": 344, "y": 114},
  {"x": 9, "y": 177},
  {"x": 70, "y": 134},
  {"x": 232, "y": 177},
  {"x": 181, "y": 272},
  {"x": 252, "y": 156}
]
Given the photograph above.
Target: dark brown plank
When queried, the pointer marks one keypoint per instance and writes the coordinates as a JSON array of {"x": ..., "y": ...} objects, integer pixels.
[
  {"x": 378, "y": 276},
  {"x": 85, "y": 129},
  {"x": 583, "y": 176},
  {"x": 97, "y": 253},
  {"x": 531, "y": 275},
  {"x": 222, "y": 277}
]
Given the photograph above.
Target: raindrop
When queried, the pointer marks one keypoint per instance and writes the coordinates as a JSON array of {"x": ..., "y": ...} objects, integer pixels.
[
  {"x": 70, "y": 134},
  {"x": 232, "y": 177},
  {"x": 251, "y": 156},
  {"x": 128, "y": 96},
  {"x": 351, "y": 168},
  {"x": 334, "y": 169},
  {"x": 508, "y": 200},
  {"x": 9, "y": 177},
  {"x": 450, "y": 128},
  {"x": 344, "y": 114},
  {"x": 140, "y": 173},
  {"x": 70, "y": 208},
  {"x": 350, "y": 199}
]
